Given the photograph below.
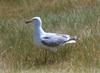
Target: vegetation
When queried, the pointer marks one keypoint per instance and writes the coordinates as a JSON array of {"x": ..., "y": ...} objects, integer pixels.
[{"x": 75, "y": 17}]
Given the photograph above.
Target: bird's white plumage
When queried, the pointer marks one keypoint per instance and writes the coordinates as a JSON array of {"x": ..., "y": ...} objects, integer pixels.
[{"x": 44, "y": 39}]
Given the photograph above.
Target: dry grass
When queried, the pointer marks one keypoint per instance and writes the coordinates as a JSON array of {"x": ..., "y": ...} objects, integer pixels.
[{"x": 76, "y": 17}]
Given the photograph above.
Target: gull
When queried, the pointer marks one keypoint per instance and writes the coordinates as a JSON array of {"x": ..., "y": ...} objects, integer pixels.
[{"x": 48, "y": 40}]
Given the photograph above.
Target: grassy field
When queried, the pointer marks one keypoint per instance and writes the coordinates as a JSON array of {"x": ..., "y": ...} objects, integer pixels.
[{"x": 75, "y": 17}]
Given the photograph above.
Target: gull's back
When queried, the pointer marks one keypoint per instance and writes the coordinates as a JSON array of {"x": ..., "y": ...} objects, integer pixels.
[{"x": 53, "y": 39}]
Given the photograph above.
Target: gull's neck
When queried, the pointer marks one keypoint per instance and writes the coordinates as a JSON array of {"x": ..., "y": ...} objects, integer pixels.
[{"x": 38, "y": 31}]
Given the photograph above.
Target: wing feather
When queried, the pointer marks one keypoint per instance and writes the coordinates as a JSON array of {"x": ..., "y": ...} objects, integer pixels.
[{"x": 54, "y": 40}]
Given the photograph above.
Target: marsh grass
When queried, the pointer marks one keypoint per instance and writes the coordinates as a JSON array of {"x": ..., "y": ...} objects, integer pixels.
[{"x": 79, "y": 17}]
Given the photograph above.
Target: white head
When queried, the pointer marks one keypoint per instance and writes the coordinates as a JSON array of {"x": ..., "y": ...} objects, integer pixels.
[{"x": 36, "y": 21}]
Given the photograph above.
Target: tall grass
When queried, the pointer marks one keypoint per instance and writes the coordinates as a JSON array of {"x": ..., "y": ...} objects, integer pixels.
[{"x": 75, "y": 17}]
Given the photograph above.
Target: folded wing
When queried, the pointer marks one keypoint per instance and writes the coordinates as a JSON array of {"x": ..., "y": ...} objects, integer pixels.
[{"x": 54, "y": 40}]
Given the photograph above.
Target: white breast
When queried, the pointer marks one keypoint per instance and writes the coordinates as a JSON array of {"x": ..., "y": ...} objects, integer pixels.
[{"x": 37, "y": 40}]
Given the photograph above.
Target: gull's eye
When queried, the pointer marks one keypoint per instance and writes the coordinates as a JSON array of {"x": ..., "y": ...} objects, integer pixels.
[{"x": 35, "y": 20}]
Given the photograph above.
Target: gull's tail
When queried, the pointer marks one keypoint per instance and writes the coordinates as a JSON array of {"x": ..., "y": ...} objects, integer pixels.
[{"x": 72, "y": 39}]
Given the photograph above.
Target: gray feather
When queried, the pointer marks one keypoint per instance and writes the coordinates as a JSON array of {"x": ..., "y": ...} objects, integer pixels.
[{"x": 53, "y": 41}]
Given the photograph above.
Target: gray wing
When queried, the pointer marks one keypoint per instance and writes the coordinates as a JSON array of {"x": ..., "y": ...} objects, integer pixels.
[{"x": 53, "y": 41}]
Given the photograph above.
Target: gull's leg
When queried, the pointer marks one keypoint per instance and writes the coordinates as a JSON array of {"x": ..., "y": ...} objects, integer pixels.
[{"x": 44, "y": 55}]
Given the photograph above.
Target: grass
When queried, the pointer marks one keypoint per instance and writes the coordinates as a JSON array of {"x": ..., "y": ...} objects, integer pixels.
[{"x": 75, "y": 17}]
